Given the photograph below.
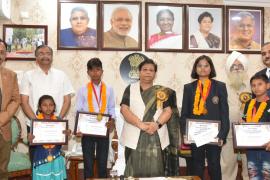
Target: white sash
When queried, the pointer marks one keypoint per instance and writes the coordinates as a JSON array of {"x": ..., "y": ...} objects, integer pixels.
[
  {"x": 172, "y": 42},
  {"x": 201, "y": 40},
  {"x": 130, "y": 133}
]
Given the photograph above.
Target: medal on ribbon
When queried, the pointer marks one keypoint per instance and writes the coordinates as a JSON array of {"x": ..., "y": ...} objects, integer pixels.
[
  {"x": 101, "y": 101},
  {"x": 49, "y": 158},
  {"x": 49, "y": 147},
  {"x": 99, "y": 117}
]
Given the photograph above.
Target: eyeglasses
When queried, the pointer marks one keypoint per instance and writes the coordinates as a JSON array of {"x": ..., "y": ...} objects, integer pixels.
[
  {"x": 237, "y": 67},
  {"x": 82, "y": 18}
]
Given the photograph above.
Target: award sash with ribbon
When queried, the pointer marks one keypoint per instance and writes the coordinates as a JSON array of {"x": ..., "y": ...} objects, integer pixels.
[{"x": 101, "y": 101}]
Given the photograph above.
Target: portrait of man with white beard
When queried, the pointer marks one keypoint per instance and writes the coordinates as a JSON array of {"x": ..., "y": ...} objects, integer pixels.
[{"x": 237, "y": 84}]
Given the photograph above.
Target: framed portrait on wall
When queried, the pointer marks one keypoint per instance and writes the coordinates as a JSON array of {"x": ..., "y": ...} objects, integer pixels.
[
  {"x": 121, "y": 25},
  {"x": 244, "y": 29},
  {"x": 164, "y": 27},
  {"x": 205, "y": 27},
  {"x": 77, "y": 25},
  {"x": 22, "y": 40}
]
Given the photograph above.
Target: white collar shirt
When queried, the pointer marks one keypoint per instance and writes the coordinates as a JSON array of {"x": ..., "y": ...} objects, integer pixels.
[
  {"x": 268, "y": 72},
  {"x": 36, "y": 83},
  {"x": 82, "y": 99}
]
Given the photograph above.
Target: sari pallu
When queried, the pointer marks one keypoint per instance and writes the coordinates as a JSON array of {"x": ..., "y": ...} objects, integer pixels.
[
  {"x": 197, "y": 40},
  {"x": 164, "y": 41},
  {"x": 148, "y": 159}
]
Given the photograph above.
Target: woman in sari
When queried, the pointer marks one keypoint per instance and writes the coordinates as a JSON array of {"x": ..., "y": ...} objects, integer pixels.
[
  {"x": 203, "y": 38},
  {"x": 206, "y": 99},
  {"x": 149, "y": 112},
  {"x": 166, "y": 38}
]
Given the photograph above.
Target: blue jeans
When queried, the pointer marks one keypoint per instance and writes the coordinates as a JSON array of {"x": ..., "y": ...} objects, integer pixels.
[{"x": 258, "y": 164}]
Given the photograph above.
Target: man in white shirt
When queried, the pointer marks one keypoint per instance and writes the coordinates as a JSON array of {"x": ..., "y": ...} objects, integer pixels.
[{"x": 45, "y": 80}]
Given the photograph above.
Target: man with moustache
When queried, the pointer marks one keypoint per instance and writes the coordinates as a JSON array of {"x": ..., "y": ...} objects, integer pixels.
[
  {"x": 9, "y": 103},
  {"x": 236, "y": 69},
  {"x": 117, "y": 36},
  {"x": 265, "y": 52},
  {"x": 45, "y": 79}
]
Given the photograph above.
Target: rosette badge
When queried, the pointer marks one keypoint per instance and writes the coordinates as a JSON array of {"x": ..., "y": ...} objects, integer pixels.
[
  {"x": 162, "y": 96},
  {"x": 244, "y": 97}
]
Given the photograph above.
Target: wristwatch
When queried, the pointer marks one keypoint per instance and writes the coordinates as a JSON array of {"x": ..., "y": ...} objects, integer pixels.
[{"x": 159, "y": 124}]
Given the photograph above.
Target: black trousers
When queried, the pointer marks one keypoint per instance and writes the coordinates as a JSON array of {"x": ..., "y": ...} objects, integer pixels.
[
  {"x": 189, "y": 166},
  {"x": 212, "y": 153},
  {"x": 90, "y": 145}
]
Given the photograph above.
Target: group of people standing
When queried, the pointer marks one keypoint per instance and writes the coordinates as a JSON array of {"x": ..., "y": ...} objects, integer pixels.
[
  {"x": 152, "y": 121},
  {"x": 149, "y": 109},
  {"x": 208, "y": 99},
  {"x": 45, "y": 93}
]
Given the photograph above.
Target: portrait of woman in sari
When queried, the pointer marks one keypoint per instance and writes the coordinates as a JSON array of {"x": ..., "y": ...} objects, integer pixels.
[
  {"x": 166, "y": 38},
  {"x": 203, "y": 38},
  {"x": 151, "y": 129}
]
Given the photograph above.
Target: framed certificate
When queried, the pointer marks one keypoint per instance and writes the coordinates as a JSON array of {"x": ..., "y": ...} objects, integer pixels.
[
  {"x": 91, "y": 124},
  {"x": 49, "y": 132},
  {"x": 251, "y": 135},
  {"x": 202, "y": 132}
]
